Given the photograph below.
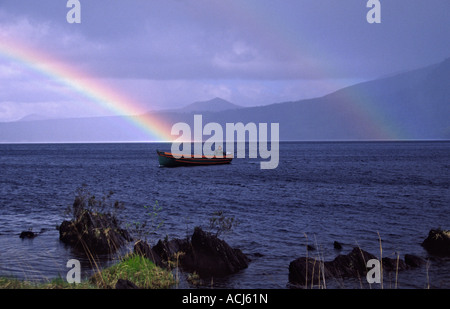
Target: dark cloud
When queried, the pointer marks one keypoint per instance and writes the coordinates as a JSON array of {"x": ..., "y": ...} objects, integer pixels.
[
  {"x": 246, "y": 39},
  {"x": 204, "y": 42}
]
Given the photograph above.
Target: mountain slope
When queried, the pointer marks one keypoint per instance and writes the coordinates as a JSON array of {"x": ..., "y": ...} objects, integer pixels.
[
  {"x": 409, "y": 105},
  {"x": 214, "y": 105}
]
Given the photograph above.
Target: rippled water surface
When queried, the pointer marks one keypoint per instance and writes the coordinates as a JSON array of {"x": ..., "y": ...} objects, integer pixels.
[{"x": 351, "y": 192}]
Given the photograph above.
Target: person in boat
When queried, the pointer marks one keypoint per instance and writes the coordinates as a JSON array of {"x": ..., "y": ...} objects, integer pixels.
[{"x": 219, "y": 153}]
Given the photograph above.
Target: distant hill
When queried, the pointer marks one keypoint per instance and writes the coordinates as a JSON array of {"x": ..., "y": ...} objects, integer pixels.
[
  {"x": 214, "y": 105},
  {"x": 408, "y": 105}
]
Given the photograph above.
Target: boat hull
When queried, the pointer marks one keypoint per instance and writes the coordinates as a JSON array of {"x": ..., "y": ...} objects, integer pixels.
[{"x": 168, "y": 160}]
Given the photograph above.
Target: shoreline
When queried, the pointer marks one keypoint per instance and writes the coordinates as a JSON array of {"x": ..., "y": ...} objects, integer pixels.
[{"x": 184, "y": 280}]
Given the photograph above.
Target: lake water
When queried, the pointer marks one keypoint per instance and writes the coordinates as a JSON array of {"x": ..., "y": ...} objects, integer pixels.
[{"x": 351, "y": 192}]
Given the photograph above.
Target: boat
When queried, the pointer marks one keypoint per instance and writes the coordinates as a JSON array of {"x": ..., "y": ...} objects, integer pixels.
[{"x": 169, "y": 160}]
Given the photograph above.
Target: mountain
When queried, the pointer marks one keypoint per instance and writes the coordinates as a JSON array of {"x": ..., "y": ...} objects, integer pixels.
[
  {"x": 408, "y": 105},
  {"x": 214, "y": 105}
]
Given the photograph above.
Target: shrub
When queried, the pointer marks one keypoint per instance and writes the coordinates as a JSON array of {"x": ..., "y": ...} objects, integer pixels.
[{"x": 219, "y": 223}]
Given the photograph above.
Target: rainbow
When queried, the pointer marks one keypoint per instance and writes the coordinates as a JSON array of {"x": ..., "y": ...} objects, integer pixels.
[
  {"x": 261, "y": 21},
  {"x": 156, "y": 129}
]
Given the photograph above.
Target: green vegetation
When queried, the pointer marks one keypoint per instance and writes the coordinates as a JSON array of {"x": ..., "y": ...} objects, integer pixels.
[
  {"x": 137, "y": 269},
  {"x": 58, "y": 283},
  {"x": 220, "y": 224},
  {"x": 151, "y": 222},
  {"x": 85, "y": 201}
]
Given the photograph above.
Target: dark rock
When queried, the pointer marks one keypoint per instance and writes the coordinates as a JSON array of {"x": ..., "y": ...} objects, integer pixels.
[
  {"x": 438, "y": 242},
  {"x": 27, "y": 234},
  {"x": 350, "y": 265},
  {"x": 310, "y": 248},
  {"x": 390, "y": 264},
  {"x": 204, "y": 254},
  {"x": 143, "y": 248},
  {"x": 354, "y": 264},
  {"x": 168, "y": 249},
  {"x": 93, "y": 233},
  {"x": 43, "y": 230},
  {"x": 337, "y": 245},
  {"x": 307, "y": 271},
  {"x": 123, "y": 284},
  {"x": 210, "y": 256},
  {"x": 414, "y": 261}
]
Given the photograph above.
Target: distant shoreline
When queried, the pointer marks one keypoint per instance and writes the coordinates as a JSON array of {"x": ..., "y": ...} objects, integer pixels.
[{"x": 282, "y": 141}]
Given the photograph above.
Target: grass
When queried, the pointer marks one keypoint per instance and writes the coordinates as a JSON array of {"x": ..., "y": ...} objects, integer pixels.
[
  {"x": 137, "y": 269},
  {"x": 58, "y": 283}
]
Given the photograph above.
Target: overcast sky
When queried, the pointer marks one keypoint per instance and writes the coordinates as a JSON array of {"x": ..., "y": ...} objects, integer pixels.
[{"x": 169, "y": 53}]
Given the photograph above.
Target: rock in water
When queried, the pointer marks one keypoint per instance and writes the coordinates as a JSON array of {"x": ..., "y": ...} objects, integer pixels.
[
  {"x": 438, "y": 242},
  {"x": 143, "y": 248},
  {"x": 204, "y": 254},
  {"x": 307, "y": 271},
  {"x": 414, "y": 261},
  {"x": 94, "y": 233},
  {"x": 337, "y": 245},
  {"x": 310, "y": 248},
  {"x": 167, "y": 249},
  {"x": 350, "y": 265},
  {"x": 390, "y": 264},
  {"x": 27, "y": 234},
  {"x": 311, "y": 271},
  {"x": 210, "y": 256}
]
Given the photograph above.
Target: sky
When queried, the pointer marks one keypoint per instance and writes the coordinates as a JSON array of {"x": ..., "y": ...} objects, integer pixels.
[{"x": 164, "y": 54}]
